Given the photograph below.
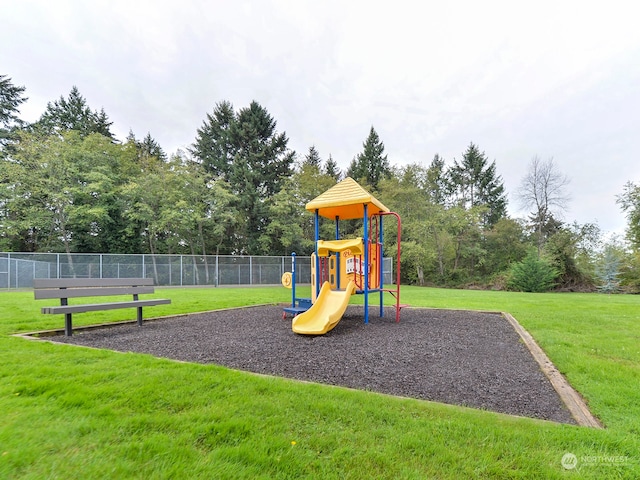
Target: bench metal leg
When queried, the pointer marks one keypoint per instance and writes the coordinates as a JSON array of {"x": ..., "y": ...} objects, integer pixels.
[
  {"x": 67, "y": 325},
  {"x": 139, "y": 316}
]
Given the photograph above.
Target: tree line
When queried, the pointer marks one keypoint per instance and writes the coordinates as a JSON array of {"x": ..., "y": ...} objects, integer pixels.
[{"x": 68, "y": 185}]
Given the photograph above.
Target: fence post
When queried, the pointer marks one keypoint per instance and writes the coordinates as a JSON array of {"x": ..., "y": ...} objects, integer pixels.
[
  {"x": 250, "y": 270},
  {"x": 216, "y": 281}
]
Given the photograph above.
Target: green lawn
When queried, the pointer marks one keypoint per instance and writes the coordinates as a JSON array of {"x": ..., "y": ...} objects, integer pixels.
[{"x": 71, "y": 412}]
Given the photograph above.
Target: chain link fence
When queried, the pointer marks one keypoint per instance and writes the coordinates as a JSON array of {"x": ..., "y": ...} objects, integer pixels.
[{"x": 17, "y": 270}]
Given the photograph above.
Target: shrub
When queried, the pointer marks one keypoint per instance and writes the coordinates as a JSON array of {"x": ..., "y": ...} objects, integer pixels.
[{"x": 532, "y": 274}]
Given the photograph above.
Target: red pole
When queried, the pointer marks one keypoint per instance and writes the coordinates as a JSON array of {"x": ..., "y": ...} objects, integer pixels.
[{"x": 397, "y": 295}]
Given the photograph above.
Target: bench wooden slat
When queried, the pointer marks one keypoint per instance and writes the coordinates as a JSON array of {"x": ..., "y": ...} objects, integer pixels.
[
  {"x": 94, "y": 307},
  {"x": 89, "y": 292},
  {"x": 89, "y": 282},
  {"x": 65, "y": 288}
]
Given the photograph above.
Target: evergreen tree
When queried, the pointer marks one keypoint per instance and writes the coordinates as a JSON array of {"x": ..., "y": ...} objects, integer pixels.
[
  {"x": 150, "y": 148},
  {"x": 474, "y": 183},
  {"x": 313, "y": 158},
  {"x": 11, "y": 97},
  {"x": 213, "y": 147},
  {"x": 245, "y": 150},
  {"x": 73, "y": 113},
  {"x": 608, "y": 271},
  {"x": 331, "y": 169},
  {"x": 146, "y": 148},
  {"x": 262, "y": 162},
  {"x": 532, "y": 274},
  {"x": 371, "y": 165},
  {"x": 102, "y": 124},
  {"x": 131, "y": 138},
  {"x": 436, "y": 181},
  {"x": 542, "y": 228}
]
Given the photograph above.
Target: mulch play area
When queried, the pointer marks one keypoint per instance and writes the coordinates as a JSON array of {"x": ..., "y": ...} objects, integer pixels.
[{"x": 465, "y": 358}]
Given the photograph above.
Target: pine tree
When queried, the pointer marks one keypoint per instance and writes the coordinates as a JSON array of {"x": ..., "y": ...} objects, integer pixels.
[
  {"x": 532, "y": 274},
  {"x": 102, "y": 124},
  {"x": 150, "y": 148},
  {"x": 11, "y": 97},
  {"x": 73, "y": 113},
  {"x": 261, "y": 156},
  {"x": 313, "y": 158},
  {"x": 436, "y": 181},
  {"x": 146, "y": 148},
  {"x": 474, "y": 183},
  {"x": 608, "y": 271},
  {"x": 331, "y": 168},
  {"x": 245, "y": 150},
  {"x": 371, "y": 165},
  {"x": 10, "y": 100},
  {"x": 213, "y": 147}
]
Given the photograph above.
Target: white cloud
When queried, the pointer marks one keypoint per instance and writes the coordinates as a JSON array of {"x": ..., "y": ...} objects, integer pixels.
[{"x": 546, "y": 78}]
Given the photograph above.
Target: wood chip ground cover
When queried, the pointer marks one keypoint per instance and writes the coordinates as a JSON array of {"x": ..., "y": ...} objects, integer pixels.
[{"x": 473, "y": 359}]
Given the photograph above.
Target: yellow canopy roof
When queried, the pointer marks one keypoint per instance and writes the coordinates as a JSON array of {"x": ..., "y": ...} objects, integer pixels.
[{"x": 345, "y": 200}]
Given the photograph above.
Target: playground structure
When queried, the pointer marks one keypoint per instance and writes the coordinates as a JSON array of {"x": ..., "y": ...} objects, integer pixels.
[{"x": 343, "y": 267}]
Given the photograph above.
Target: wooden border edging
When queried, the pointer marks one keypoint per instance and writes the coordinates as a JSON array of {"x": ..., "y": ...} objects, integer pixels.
[
  {"x": 572, "y": 399},
  {"x": 41, "y": 334}
]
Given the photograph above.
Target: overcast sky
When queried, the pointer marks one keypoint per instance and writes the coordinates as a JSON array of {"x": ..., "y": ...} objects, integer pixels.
[{"x": 548, "y": 78}]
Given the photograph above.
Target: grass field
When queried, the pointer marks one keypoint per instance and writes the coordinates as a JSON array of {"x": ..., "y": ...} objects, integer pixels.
[{"x": 71, "y": 412}]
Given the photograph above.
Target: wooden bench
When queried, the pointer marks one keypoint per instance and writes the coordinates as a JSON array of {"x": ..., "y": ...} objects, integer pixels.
[{"x": 66, "y": 288}]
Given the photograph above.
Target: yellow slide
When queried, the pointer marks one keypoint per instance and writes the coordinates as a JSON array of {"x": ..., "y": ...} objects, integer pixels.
[{"x": 326, "y": 312}]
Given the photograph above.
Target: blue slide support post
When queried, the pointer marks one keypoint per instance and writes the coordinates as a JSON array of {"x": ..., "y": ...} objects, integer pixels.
[{"x": 293, "y": 279}]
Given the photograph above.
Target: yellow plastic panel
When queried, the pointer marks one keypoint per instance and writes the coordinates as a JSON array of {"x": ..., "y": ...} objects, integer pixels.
[{"x": 355, "y": 245}]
